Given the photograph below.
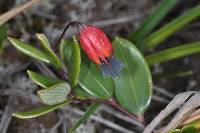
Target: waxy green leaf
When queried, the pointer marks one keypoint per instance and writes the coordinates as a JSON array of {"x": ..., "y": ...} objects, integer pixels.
[
  {"x": 46, "y": 46},
  {"x": 30, "y": 50},
  {"x": 133, "y": 87},
  {"x": 40, "y": 111},
  {"x": 70, "y": 52},
  {"x": 90, "y": 77},
  {"x": 75, "y": 63},
  {"x": 92, "y": 81},
  {"x": 42, "y": 80}
]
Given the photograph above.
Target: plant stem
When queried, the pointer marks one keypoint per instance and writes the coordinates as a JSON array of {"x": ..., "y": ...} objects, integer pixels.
[{"x": 114, "y": 104}]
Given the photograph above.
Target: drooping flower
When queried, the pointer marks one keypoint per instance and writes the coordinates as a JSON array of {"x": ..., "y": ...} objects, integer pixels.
[
  {"x": 99, "y": 49},
  {"x": 97, "y": 46}
]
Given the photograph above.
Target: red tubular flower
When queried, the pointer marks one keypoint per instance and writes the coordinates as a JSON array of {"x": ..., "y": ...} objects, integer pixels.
[
  {"x": 97, "y": 46},
  {"x": 99, "y": 49}
]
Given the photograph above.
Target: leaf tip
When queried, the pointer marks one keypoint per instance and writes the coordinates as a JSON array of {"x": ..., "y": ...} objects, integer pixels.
[
  {"x": 16, "y": 114},
  {"x": 29, "y": 72},
  {"x": 9, "y": 38}
]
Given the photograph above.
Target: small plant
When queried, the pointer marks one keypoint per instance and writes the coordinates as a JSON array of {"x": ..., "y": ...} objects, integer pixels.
[
  {"x": 85, "y": 81},
  {"x": 126, "y": 83}
]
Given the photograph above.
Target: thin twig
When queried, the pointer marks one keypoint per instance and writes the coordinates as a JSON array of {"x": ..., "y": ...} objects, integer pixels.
[
  {"x": 10, "y": 14},
  {"x": 7, "y": 115},
  {"x": 12, "y": 69},
  {"x": 114, "y": 104},
  {"x": 19, "y": 93},
  {"x": 101, "y": 120},
  {"x": 160, "y": 99},
  {"x": 53, "y": 129},
  {"x": 163, "y": 91},
  {"x": 121, "y": 116},
  {"x": 183, "y": 113},
  {"x": 119, "y": 20},
  {"x": 173, "y": 105},
  {"x": 193, "y": 117}
]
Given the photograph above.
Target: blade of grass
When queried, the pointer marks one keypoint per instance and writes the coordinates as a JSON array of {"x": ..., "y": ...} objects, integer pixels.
[
  {"x": 85, "y": 117},
  {"x": 173, "y": 53},
  {"x": 3, "y": 34},
  {"x": 152, "y": 21},
  {"x": 173, "y": 75},
  {"x": 160, "y": 35}
]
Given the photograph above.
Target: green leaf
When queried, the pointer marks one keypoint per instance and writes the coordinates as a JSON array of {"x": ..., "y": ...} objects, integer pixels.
[
  {"x": 40, "y": 111},
  {"x": 185, "y": 129},
  {"x": 55, "y": 94},
  {"x": 75, "y": 63},
  {"x": 72, "y": 59},
  {"x": 175, "y": 131},
  {"x": 46, "y": 46},
  {"x": 43, "y": 81},
  {"x": 173, "y": 53},
  {"x": 30, "y": 50},
  {"x": 90, "y": 77},
  {"x": 161, "y": 34},
  {"x": 195, "y": 124},
  {"x": 44, "y": 41},
  {"x": 85, "y": 117},
  {"x": 189, "y": 129},
  {"x": 81, "y": 94},
  {"x": 66, "y": 51},
  {"x": 152, "y": 21},
  {"x": 3, "y": 34},
  {"x": 174, "y": 75},
  {"x": 133, "y": 87},
  {"x": 92, "y": 81}
]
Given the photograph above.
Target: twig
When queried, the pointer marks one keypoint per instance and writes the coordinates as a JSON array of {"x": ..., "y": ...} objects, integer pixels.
[
  {"x": 163, "y": 91},
  {"x": 44, "y": 69},
  {"x": 19, "y": 93},
  {"x": 114, "y": 104},
  {"x": 118, "y": 20},
  {"x": 53, "y": 129},
  {"x": 193, "y": 117},
  {"x": 12, "y": 69},
  {"x": 102, "y": 121},
  {"x": 10, "y": 14},
  {"x": 7, "y": 115},
  {"x": 173, "y": 105},
  {"x": 44, "y": 15},
  {"x": 183, "y": 113},
  {"x": 121, "y": 116},
  {"x": 160, "y": 99}
]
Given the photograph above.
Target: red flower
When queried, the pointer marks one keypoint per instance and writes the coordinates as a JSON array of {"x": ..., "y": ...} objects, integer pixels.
[
  {"x": 99, "y": 49},
  {"x": 95, "y": 43}
]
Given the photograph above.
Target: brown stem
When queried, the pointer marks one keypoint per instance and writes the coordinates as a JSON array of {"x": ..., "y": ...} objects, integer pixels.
[
  {"x": 114, "y": 104},
  {"x": 15, "y": 11},
  {"x": 63, "y": 33}
]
